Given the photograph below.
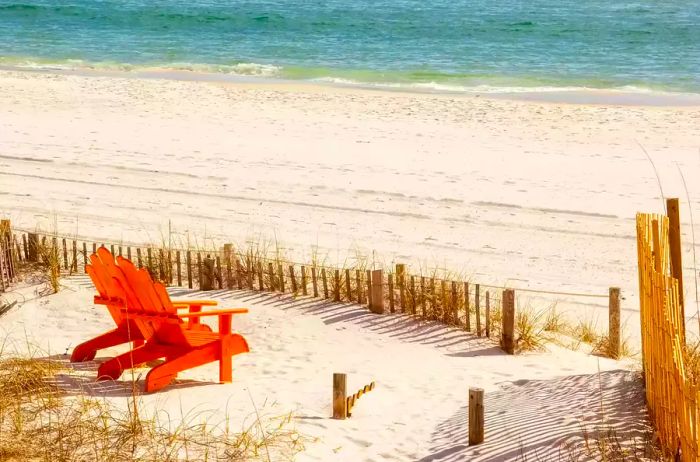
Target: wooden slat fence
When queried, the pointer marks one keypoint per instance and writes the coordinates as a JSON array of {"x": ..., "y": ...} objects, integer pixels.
[
  {"x": 453, "y": 302},
  {"x": 671, "y": 397}
]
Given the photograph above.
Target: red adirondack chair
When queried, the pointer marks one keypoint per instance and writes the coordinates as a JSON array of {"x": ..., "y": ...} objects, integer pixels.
[
  {"x": 148, "y": 304},
  {"x": 102, "y": 271}
]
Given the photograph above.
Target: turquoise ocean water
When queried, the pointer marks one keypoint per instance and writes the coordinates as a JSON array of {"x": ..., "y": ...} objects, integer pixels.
[{"x": 441, "y": 44}]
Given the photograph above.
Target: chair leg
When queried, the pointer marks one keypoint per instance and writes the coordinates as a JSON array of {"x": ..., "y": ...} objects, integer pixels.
[
  {"x": 86, "y": 351},
  {"x": 113, "y": 368},
  {"x": 160, "y": 376}
]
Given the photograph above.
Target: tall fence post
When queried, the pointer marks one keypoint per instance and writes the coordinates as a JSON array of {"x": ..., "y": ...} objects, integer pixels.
[
  {"x": 614, "y": 323},
  {"x": 339, "y": 396},
  {"x": 674, "y": 242},
  {"x": 476, "y": 416},
  {"x": 377, "y": 292},
  {"x": 508, "y": 327}
]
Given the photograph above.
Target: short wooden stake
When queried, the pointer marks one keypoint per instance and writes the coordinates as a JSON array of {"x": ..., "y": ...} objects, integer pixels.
[
  {"x": 314, "y": 281},
  {"x": 324, "y": 280},
  {"x": 120, "y": 251},
  {"x": 444, "y": 300},
  {"x": 432, "y": 300},
  {"x": 455, "y": 304},
  {"x": 85, "y": 257},
  {"x": 149, "y": 254},
  {"x": 488, "y": 315},
  {"x": 189, "y": 268},
  {"x": 128, "y": 253},
  {"x": 74, "y": 263},
  {"x": 336, "y": 285},
  {"x": 358, "y": 284},
  {"x": 199, "y": 269},
  {"x": 369, "y": 288},
  {"x": 477, "y": 307},
  {"x": 65, "y": 254},
  {"x": 468, "y": 320},
  {"x": 508, "y": 329},
  {"x": 422, "y": 296},
  {"x": 138, "y": 256},
  {"x": 281, "y": 271},
  {"x": 271, "y": 270},
  {"x": 26, "y": 247},
  {"x": 377, "y": 292},
  {"x": 111, "y": 250},
  {"x": 348, "y": 285},
  {"x": 339, "y": 396},
  {"x": 161, "y": 266},
  {"x": 261, "y": 277},
  {"x": 614, "y": 322},
  {"x": 304, "y": 283},
  {"x": 413, "y": 295},
  {"x": 391, "y": 292},
  {"x": 178, "y": 265},
  {"x": 476, "y": 416},
  {"x": 401, "y": 281},
  {"x": 293, "y": 279}
]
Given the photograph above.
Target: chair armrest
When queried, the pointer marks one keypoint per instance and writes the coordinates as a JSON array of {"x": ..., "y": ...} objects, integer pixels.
[
  {"x": 195, "y": 302},
  {"x": 214, "y": 313}
]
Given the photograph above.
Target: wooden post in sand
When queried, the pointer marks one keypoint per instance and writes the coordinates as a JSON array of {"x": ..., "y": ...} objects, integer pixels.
[
  {"x": 207, "y": 278},
  {"x": 455, "y": 305},
  {"x": 348, "y": 285},
  {"x": 74, "y": 263},
  {"x": 293, "y": 278},
  {"x": 508, "y": 327},
  {"x": 369, "y": 289},
  {"x": 336, "y": 285},
  {"x": 65, "y": 254},
  {"x": 674, "y": 242},
  {"x": 477, "y": 307},
  {"x": 467, "y": 309},
  {"x": 85, "y": 257},
  {"x": 358, "y": 284},
  {"x": 614, "y": 322},
  {"x": 314, "y": 281},
  {"x": 340, "y": 410},
  {"x": 401, "y": 282},
  {"x": 304, "y": 283},
  {"x": 324, "y": 279},
  {"x": 281, "y": 271},
  {"x": 138, "y": 257},
  {"x": 391, "y": 292},
  {"x": 377, "y": 292},
  {"x": 228, "y": 251},
  {"x": 189, "y": 267},
  {"x": 476, "y": 416},
  {"x": 178, "y": 267},
  {"x": 488, "y": 315}
]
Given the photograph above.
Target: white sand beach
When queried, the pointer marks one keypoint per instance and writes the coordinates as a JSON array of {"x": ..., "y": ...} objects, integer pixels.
[
  {"x": 538, "y": 406},
  {"x": 528, "y": 194}
]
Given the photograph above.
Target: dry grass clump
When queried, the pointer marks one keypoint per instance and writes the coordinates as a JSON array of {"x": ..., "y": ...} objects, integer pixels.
[
  {"x": 691, "y": 361},
  {"x": 39, "y": 423},
  {"x": 605, "y": 444},
  {"x": 529, "y": 329},
  {"x": 50, "y": 265}
]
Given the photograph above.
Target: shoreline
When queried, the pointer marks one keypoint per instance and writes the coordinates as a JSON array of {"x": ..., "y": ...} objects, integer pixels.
[{"x": 554, "y": 95}]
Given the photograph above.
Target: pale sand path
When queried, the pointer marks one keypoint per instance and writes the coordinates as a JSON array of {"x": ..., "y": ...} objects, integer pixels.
[
  {"x": 537, "y": 195},
  {"x": 535, "y": 403}
]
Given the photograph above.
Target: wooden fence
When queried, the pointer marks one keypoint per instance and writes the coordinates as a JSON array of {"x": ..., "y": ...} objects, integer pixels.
[
  {"x": 8, "y": 258},
  {"x": 671, "y": 397},
  {"x": 453, "y": 302}
]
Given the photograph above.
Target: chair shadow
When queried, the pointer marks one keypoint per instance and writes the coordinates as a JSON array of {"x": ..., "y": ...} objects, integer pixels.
[
  {"x": 548, "y": 420},
  {"x": 80, "y": 379},
  {"x": 404, "y": 327}
]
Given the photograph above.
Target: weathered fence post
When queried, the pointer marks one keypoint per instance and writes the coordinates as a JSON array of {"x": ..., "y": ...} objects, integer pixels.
[
  {"x": 178, "y": 269},
  {"x": 358, "y": 284},
  {"x": 488, "y": 314},
  {"x": 614, "y": 322},
  {"x": 208, "y": 276},
  {"x": 138, "y": 257},
  {"x": 339, "y": 396},
  {"x": 85, "y": 257},
  {"x": 508, "y": 328},
  {"x": 377, "y": 292},
  {"x": 391, "y": 292},
  {"x": 304, "y": 283},
  {"x": 314, "y": 281},
  {"x": 74, "y": 263},
  {"x": 477, "y": 307},
  {"x": 33, "y": 247},
  {"x": 228, "y": 251},
  {"x": 336, "y": 286},
  {"x": 422, "y": 296},
  {"x": 674, "y": 242},
  {"x": 189, "y": 267},
  {"x": 413, "y": 295},
  {"x": 324, "y": 279},
  {"x": 467, "y": 307},
  {"x": 293, "y": 279},
  {"x": 281, "y": 271},
  {"x": 270, "y": 269},
  {"x": 476, "y": 416},
  {"x": 65, "y": 254},
  {"x": 369, "y": 288},
  {"x": 455, "y": 304},
  {"x": 401, "y": 281},
  {"x": 261, "y": 276}
]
